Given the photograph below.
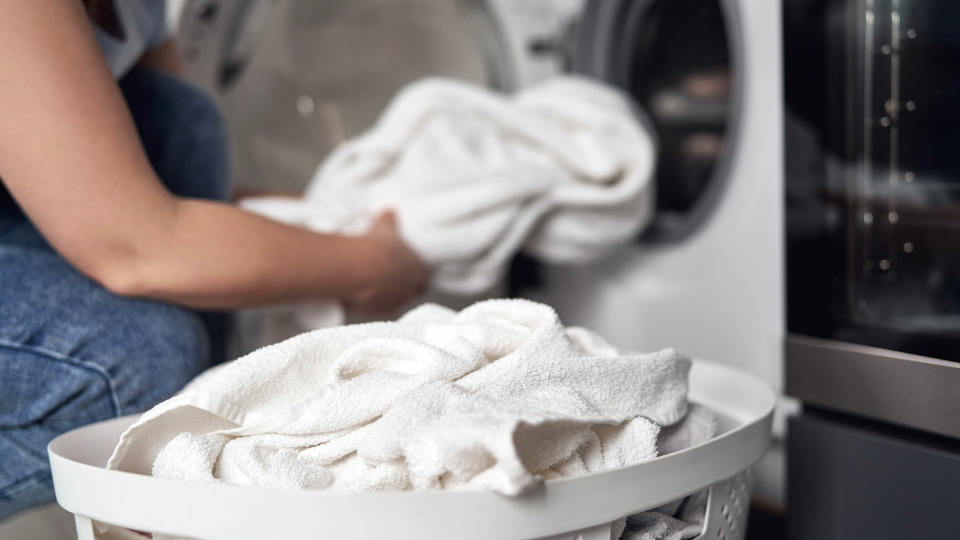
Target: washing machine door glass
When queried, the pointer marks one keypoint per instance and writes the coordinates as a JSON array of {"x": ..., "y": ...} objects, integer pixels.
[
  {"x": 873, "y": 172},
  {"x": 679, "y": 60},
  {"x": 297, "y": 77}
]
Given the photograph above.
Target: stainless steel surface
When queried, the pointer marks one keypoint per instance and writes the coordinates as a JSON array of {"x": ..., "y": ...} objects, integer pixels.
[{"x": 910, "y": 390}]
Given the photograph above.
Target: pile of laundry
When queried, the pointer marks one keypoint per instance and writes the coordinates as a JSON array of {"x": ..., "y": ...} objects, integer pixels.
[
  {"x": 499, "y": 396},
  {"x": 561, "y": 171}
]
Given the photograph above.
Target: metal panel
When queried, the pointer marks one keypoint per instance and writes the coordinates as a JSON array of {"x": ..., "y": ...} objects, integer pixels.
[
  {"x": 905, "y": 389},
  {"x": 850, "y": 481}
]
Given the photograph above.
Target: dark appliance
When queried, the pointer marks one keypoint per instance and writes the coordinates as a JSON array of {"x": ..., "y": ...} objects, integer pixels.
[{"x": 872, "y": 151}]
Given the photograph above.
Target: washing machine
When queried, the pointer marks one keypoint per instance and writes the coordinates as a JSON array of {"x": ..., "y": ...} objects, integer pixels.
[
  {"x": 294, "y": 78},
  {"x": 873, "y": 283}
]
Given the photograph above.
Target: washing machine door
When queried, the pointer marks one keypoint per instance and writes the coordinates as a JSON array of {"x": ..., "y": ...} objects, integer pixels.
[
  {"x": 294, "y": 78},
  {"x": 678, "y": 59}
]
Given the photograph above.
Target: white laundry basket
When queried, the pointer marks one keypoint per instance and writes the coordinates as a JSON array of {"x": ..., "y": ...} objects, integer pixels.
[{"x": 573, "y": 508}]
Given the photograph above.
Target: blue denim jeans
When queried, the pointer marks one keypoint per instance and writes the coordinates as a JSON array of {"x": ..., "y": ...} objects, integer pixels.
[{"x": 72, "y": 353}]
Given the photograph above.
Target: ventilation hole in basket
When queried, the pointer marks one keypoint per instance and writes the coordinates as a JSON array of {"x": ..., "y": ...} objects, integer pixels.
[{"x": 578, "y": 537}]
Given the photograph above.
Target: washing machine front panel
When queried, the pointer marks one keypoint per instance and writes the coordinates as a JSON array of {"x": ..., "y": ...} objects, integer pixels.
[{"x": 715, "y": 288}]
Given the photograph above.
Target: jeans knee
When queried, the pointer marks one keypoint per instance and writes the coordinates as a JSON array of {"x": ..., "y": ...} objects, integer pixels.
[
  {"x": 166, "y": 347},
  {"x": 43, "y": 386}
]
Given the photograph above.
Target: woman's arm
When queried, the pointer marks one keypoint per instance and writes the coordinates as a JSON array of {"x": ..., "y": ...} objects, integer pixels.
[{"x": 70, "y": 155}]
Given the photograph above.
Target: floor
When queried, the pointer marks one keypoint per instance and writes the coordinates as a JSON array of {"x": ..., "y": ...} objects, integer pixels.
[{"x": 45, "y": 523}]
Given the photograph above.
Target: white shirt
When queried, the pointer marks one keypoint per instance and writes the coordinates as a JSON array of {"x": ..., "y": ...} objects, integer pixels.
[{"x": 143, "y": 25}]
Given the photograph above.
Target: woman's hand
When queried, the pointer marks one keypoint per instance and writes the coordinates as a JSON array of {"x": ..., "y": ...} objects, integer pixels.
[{"x": 393, "y": 275}]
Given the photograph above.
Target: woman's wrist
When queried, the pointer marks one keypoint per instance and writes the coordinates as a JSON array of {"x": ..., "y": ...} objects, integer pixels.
[{"x": 358, "y": 258}]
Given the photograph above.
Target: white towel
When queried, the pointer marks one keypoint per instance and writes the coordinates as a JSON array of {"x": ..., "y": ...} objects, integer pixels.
[
  {"x": 561, "y": 171},
  {"x": 495, "y": 397}
]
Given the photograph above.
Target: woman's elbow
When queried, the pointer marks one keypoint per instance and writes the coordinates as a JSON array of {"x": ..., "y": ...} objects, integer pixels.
[
  {"x": 120, "y": 273},
  {"x": 127, "y": 261},
  {"x": 110, "y": 262}
]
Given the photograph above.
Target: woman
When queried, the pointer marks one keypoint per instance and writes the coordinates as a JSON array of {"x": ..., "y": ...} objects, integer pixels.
[{"x": 108, "y": 244}]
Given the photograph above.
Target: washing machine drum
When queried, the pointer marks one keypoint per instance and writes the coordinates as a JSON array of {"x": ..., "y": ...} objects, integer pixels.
[
  {"x": 294, "y": 78},
  {"x": 678, "y": 59}
]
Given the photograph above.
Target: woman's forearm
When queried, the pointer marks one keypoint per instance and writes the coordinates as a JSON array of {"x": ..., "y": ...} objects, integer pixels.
[{"x": 215, "y": 255}]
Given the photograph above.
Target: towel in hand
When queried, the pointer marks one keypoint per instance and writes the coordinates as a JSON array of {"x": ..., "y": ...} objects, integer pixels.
[{"x": 561, "y": 171}]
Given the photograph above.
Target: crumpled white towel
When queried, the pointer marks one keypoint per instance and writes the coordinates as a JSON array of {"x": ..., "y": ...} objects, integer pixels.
[
  {"x": 561, "y": 171},
  {"x": 493, "y": 397}
]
